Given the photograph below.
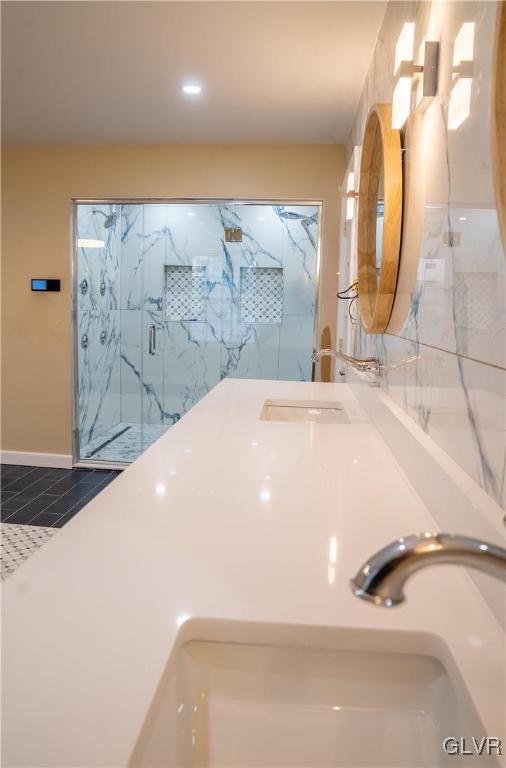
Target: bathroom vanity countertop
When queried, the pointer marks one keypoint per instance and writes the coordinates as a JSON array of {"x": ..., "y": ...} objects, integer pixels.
[{"x": 225, "y": 517}]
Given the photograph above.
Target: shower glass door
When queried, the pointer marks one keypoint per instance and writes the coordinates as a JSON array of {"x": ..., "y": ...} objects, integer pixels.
[{"x": 173, "y": 297}]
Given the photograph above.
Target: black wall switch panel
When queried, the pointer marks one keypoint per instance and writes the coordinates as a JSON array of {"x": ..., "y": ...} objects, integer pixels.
[{"x": 44, "y": 284}]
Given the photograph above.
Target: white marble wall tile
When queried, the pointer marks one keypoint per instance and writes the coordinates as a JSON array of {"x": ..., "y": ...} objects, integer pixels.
[
  {"x": 98, "y": 278},
  {"x": 459, "y": 299},
  {"x": 300, "y": 222},
  {"x": 131, "y": 255},
  {"x": 299, "y": 264},
  {"x": 262, "y": 233},
  {"x": 98, "y": 372},
  {"x": 299, "y": 257},
  {"x": 142, "y": 374},
  {"x": 249, "y": 351},
  {"x": 153, "y": 366},
  {"x": 191, "y": 366},
  {"x": 232, "y": 261},
  {"x": 99, "y": 267},
  {"x": 131, "y": 365},
  {"x": 142, "y": 393},
  {"x": 457, "y": 401},
  {"x": 154, "y": 251},
  {"x": 194, "y": 234},
  {"x": 296, "y": 347}
]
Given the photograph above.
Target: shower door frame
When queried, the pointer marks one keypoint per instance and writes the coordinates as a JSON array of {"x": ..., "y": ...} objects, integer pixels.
[{"x": 75, "y": 202}]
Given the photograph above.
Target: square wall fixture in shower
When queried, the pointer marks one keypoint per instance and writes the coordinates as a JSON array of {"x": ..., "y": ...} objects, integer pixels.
[
  {"x": 261, "y": 295},
  {"x": 184, "y": 292}
]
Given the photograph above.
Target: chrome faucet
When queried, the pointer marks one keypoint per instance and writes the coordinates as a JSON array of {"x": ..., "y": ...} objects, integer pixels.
[
  {"x": 366, "y": 364},
  {"x": 381, "y": 579}
]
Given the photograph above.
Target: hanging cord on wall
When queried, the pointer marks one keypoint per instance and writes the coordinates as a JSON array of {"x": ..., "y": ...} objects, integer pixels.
[
  {"x": 353, "y": 288},
  {"x": 351, "y": 295},
  {"x": 353, "y": 319}
]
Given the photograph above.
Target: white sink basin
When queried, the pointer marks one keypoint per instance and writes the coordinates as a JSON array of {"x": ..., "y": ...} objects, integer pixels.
[
  {"x": 233, "y": 704},
  {"x": 304, "y": 410}
]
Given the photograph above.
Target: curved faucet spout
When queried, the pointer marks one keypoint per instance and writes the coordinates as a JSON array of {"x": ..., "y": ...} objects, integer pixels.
[
  {"x": 382, "y": 578},
  {"x": 365, "y": 364}
]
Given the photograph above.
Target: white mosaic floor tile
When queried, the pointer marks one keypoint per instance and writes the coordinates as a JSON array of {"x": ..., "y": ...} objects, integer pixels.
[
  {"x": 123, "y": 442},
  {"x": 19, "y": 542}
]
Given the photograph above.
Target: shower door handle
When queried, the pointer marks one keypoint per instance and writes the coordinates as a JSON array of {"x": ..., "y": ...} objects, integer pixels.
[{"x": 152, "y": 339}]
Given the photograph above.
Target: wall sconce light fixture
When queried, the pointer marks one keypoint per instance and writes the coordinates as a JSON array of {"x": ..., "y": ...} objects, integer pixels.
[
  {"x": 424, "y": 72},
  {"x": 401, "y": 102},
  {"x": 460, "y": 96}
]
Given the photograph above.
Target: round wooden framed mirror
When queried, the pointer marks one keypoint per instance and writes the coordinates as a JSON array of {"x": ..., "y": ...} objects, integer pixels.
[
  {"x": 499, "y": 121},
  {"x": 379, "y": 219}
]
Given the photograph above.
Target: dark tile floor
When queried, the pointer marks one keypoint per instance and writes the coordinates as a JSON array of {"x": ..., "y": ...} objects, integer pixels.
[{"x": 49, "y": 497}]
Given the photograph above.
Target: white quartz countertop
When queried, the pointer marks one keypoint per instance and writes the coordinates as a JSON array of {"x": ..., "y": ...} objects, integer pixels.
[{"x": 225, "y": 517}]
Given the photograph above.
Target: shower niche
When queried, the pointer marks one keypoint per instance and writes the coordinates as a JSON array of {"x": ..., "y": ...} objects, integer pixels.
[{"x": 166, "y": 307}]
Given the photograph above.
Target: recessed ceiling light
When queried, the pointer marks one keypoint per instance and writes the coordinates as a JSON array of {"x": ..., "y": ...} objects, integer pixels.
[{"x": 191, "y": 89}]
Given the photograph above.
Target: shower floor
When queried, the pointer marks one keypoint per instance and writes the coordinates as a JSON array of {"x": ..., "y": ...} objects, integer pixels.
[{"x": 123, "y": 442}]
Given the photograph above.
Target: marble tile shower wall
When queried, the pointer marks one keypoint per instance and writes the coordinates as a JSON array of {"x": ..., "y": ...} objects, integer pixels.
[
  {"x": 200, "y": 342},
  {"x": 98, "y": 319},
  {"x": 450, "y": 306},
  {"x": 242, "y": 309}
]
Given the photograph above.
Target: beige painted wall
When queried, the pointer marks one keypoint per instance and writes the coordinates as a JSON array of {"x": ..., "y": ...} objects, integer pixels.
[{"x": 38, "y": 185}]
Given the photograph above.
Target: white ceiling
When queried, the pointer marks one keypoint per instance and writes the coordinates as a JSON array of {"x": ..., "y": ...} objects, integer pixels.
[{"x": 101, "y": 72}]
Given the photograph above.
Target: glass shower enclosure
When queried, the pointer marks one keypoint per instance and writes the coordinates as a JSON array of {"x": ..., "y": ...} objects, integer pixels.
[{"x": 172, "y": 297}]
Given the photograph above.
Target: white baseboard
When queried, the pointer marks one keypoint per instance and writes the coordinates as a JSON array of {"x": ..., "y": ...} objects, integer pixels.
[{"x": 58, "y": 460}]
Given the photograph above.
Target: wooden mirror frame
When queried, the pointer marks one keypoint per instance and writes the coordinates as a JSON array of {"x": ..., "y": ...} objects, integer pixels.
[
  {"x": 499, "y": 121},
  {"x": 381, "y": 144}
]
